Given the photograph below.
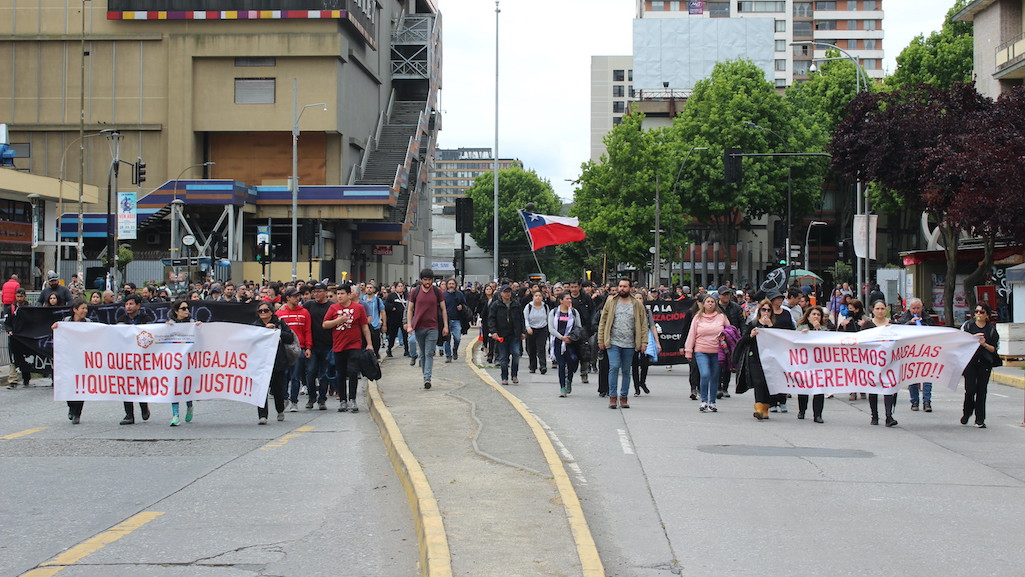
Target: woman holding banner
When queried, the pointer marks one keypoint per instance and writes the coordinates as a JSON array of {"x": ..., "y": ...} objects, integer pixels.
[
  {"x": 79, "y": 310},
  {"x": 976, "y": 375},
  {"x": 267, "y": 318},
  {"x": 180, "y": 313},
  {"x": 851, "y": 315},
  {"x": 765, "y": 319},
  {"x": 880, "y": 319},
  {"x": 814, "y": 319}
]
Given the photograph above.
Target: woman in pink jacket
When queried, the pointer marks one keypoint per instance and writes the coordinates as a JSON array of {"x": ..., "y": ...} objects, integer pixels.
[{"x": 703, "y": 346}]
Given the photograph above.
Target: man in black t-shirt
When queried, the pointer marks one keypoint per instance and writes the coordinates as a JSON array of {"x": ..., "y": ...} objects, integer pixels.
[{"x": 318, "y": 379}]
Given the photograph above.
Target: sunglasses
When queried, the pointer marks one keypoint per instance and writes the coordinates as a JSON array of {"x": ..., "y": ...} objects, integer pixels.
[
  {"x": 183, "y": 308},
  {"x": 765, "y": 309},
  {"x": 980, "y": 311},
  {"x": 261, "y": 311}
]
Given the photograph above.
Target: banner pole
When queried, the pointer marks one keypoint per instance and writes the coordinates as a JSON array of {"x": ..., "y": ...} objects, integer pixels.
[{"x": 530, "y": 241}]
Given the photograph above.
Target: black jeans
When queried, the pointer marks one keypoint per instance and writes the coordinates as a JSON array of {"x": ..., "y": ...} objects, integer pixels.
[
  {"x": 345, "y": 364},
  {"x": 817, "y": 403},
  {"x": 278, "y": 380},
  {"x": 640, "y": 370},
  {"x": 130, "y": 409},
  {"x": 537, "y": 349},
  {"x": 888, "y": 403},
  {"x": 976, "y": 383}
]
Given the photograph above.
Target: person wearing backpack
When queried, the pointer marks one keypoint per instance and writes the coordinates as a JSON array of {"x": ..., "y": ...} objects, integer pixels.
[
  {"x": 535, "y": 319},
  {"x": 426, "y": 318}
]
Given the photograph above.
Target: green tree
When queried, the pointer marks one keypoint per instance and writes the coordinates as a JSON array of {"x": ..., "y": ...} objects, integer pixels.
[
  {"x": 941, "y": 60},
  {"x": 516, "y": 188},
  {"x": 737, "y": 107}
]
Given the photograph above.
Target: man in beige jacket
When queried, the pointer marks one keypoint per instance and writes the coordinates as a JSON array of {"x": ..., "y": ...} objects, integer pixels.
[{"x": 623, "y": 329}]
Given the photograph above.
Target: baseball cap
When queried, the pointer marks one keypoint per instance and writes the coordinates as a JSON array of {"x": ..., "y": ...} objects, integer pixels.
[
  {"x": 724, "y": 290},
  {"x": 289, "y": 292},
  {"x": 320, "y": 287},
  {"x": 505, "y": 287},
  {"x": 52, "y": 276}
]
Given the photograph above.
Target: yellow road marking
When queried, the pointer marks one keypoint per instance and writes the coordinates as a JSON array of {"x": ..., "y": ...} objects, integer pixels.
[
  {"x": 22, "y": 433},
  {"x": 281, "y": 442},
  {"x": 92, "y": 545}
]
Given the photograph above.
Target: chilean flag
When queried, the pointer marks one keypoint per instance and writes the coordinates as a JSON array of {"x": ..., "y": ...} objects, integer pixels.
[{"x": 545, "y": 230}]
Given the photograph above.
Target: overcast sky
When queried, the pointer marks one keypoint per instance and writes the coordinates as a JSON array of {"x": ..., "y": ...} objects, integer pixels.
[{"x": 544, "y": 72}]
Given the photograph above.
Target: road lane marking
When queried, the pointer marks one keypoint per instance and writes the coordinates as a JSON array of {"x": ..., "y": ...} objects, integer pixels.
[
  {"x": 567, "y": 457},
  {"x": 624, "y": 440},
  {"x": 281, "y": 442},
  {"x": 999, "y": 395},
  {"x": 22, "y": 433},
  {"x": 92, "y": 545}
]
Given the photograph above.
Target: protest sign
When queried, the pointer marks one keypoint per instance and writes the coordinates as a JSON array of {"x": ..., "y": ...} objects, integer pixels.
[
  {"x": 878, "y": 360},
  {"x": 162, "y": 362},
  {"x": 668, "y": 317}
]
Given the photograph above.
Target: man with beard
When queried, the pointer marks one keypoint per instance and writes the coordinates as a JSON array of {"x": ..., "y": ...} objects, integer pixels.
[
  {"x": 426, "y": 318},
  {"x": 622, "y": 331}
]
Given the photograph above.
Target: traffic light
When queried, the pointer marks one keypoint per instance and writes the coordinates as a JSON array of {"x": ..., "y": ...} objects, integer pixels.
[
  {"x": 464, "y": 215},
  {"x": 781, "y": 258},
  {"x": 779, "y": 234},
  {"x": 272, "y": 252},
  {"x": 261, "y": 252},
  {"x": 139, "y": 172},
  {"x": 308, "y": 232},
  {"x": 733, "y": 168}
]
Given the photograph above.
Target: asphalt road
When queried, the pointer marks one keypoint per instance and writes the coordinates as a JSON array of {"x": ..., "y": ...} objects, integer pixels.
[
  {"x": 220, "y": 496},
  {"x": 668, "y": 490}
]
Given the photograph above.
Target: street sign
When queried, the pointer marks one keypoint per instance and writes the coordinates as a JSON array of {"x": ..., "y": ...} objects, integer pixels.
[{"x": 263, "y": 234}]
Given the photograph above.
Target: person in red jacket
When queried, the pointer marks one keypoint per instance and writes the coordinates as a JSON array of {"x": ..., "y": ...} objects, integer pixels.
[
  {"x": 10, "y": 288},
  {"x": 298, "y": 319}
]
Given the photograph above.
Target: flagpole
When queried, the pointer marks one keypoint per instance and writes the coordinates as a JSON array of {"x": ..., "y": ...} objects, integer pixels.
[{"x": 530, "y": 240}]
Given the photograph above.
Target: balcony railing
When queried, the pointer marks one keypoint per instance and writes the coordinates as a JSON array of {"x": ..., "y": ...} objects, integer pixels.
[{"x": 1010, "y": 52}]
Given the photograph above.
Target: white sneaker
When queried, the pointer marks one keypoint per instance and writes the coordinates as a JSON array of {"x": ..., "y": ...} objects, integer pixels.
[
  {"x": 711, "y": 407},
  {"x": 703, "y": 408},
  {"x": 281, "y": 416},
  {"x": 293, "y": 407}
]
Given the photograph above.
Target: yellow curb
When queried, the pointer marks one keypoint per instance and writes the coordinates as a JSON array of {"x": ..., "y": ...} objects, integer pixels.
[
  {"x": 1010, "y": 380},
  {"x": 587, "y": 551},
  {"x": 89, "y": 546},
  {"x": 435, "y": 557}
]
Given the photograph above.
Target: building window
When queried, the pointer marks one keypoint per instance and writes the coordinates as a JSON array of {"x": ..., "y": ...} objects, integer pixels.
[
  {"x": 801, "y": 67},
  {"x": 617, "y": 91},
  {"x": 630, "y": 75},
  {"x": 870, "y": 44},
  {"x": 632, "y": 93},
  {"x": 618, "y": 107},
  {"x": 852, "y": 5},
  {"x": 781, "y": 46},
  {"x": 617, "y": 120},
  {"x": 802, "y": 50},
  {"x": 719, "y": 9},
  {"x": 802, "y": 9},
  {"x": 618, "y": 76},
  {"x": 802, "y": 28},
  {"x": 243, "y": 62},
  {"x": 781, "y": 26},
  {"x": 781, "y": 65},
  {"x": 825, "y": 5},
  {"x": 870, "y": 24},
  {"x": 658, "y": 6},
  {"x": 674, "y": 6},
  {"x": 781, "y": 83},
  {"x": 825, "y": 25},
  {"x": 761, "y": 6},
  {"x": 869, "y": 5},
  {"x": 254, "y": 91}
]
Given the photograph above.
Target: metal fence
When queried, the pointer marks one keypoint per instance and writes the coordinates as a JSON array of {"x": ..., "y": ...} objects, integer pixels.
[{"x": 139, "y": 272}]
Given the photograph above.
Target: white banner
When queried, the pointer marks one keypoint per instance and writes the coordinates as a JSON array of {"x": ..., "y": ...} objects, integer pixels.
[
  {"x": 865, "y": 235},
  {"x": 162, "y": 363},
  {"x": 878, "y": 360}
]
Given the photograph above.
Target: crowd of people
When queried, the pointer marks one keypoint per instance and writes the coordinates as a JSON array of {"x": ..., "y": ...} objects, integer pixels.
[{"x": 578, "y": 328}]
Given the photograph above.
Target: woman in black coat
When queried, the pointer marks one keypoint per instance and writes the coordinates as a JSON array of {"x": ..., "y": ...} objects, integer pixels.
[
  {"x": 268, "y": 319},
  {"x": 749, "y": 364}
]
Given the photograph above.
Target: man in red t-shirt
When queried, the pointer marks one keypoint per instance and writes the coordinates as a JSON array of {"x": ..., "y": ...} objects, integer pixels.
[
  {"x": 298, "y": 319},
  {"x": 349, "y": 328},
  {"x": 425, "y": 315}
]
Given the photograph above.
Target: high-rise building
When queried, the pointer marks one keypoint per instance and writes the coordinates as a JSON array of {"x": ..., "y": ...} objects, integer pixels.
[{"x": 455, "y": 170}]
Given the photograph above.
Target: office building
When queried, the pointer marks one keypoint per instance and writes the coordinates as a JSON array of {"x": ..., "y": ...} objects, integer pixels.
[{"x": 456, "y": 169}]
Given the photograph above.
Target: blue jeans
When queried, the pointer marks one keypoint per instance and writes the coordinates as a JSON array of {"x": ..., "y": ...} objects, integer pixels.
[
  {"x": 427, "y": 342},
  {"x": 708, "y": 368},
  {"x": 620, "y": 361},
  {"x": 510, "y": 347},
  {"x": 318, "y": 369},
  {"x": 298, "y": 377},
  {"x": 455, "y": 332},
  {"x": 566, "y": 361},
  {"x": 926, "y": 392}
]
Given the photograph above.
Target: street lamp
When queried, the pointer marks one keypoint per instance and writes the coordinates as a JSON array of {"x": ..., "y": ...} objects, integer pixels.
[
  {"x": 177, "y": 206},
  {"x": 790, "y": 183},
  {"x": 296, "y": 115},
  {"x": 494, "y": 232},
  {"x": 807, "y": 235},
  {"x": 114, "y": 137},
  {"x": 35, "y": 227},
  {"x": 861, "y": 200}
]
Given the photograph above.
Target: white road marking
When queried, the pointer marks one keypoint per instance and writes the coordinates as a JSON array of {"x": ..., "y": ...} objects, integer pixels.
[
  {"x": 999, "y": 395},
  {"x": 567, "y": 457},
  {"x": 624, "y": 440}
]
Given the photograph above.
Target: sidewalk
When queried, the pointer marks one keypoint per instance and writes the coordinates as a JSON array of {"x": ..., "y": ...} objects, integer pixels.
[
  {"x": 1012, "y": 376},
  {"x": 489, "y": 493}
]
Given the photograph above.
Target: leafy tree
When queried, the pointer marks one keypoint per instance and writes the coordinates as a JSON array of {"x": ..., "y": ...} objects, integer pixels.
[
  {"x": 615, "y": 199},
  {"x": 951, "y": 152},
  {"x": 719, "y": 115},
  {"x": 941, "y": 60},
  {"x": 516, "y": 188}
]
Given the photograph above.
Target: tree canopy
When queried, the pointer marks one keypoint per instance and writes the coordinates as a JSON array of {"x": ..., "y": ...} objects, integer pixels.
[{"x": 942, "y": 59}]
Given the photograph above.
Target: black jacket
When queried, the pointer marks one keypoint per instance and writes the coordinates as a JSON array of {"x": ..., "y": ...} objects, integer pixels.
[
  {"x": 749, "y": 365},
  {"x": 506, "y": 320},
  {"x": 287, "y": 337}
]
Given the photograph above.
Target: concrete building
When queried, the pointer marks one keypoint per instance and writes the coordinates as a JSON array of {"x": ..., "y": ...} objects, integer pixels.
[
  {"x": 999, "y": 36},
  {"x": 455, "y": 169},
  {"x": 210, "y": 99}
]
